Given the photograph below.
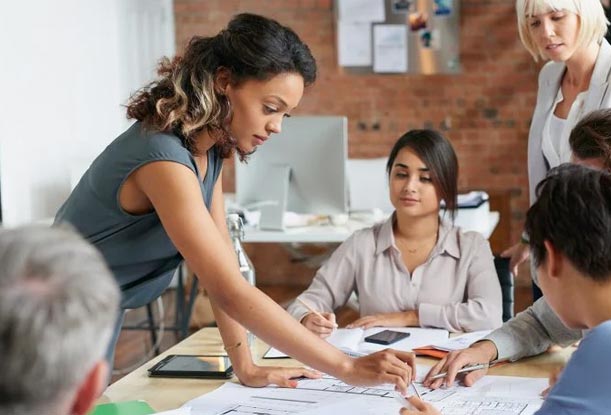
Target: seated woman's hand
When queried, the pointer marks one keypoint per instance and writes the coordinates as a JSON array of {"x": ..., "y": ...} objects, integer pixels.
[
  {"x": 419, "y": 408},
  {"x": 398, "y": 319},
  {"x": 322, "y": 327},
  {"x": 260, "y": 376}
]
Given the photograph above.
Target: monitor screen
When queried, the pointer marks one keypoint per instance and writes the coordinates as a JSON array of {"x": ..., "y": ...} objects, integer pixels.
[{"x": 311, "y": 151}]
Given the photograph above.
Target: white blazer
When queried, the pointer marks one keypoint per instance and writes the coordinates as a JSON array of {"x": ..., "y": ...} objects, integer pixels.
[{"x": 598, "y": 96}]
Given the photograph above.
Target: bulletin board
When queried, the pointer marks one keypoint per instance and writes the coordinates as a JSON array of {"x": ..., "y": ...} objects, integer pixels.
[{"x": 398, "y": 36}]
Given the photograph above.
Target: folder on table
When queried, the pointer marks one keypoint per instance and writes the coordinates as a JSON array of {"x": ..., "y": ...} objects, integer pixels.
[{"x": 123, "y": 408}]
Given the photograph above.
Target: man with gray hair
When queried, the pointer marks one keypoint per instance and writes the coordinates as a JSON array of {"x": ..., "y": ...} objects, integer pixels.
[{"x": 58, "y": 305}]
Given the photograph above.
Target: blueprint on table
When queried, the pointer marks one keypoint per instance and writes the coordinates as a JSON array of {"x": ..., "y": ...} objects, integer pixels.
[{"x": 492, "y": 395}]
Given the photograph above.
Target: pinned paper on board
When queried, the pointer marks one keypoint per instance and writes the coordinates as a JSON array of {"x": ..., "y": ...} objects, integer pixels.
[
  {"x": 390, "y": 48},
  {"x": 354, "y": 44},
  {"x": 361, "y": 11}
]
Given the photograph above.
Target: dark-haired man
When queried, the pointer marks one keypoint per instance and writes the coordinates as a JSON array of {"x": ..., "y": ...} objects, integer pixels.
[{"x": 570, "y": 241}]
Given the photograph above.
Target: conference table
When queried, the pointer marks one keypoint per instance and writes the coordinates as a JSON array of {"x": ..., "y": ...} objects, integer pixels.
[{"x": 169, "y": 393}]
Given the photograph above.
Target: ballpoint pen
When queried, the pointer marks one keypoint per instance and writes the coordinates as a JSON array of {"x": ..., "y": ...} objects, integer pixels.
[
  {"x": 416, "y": 390},
  {"x": 403, "y": 400},
  {"x": 312, "y": 310},
  {"x": 465, "y": 369}
]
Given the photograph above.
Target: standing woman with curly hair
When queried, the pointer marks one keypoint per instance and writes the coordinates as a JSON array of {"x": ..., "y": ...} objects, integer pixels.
[{"x": 153, "y": 196}]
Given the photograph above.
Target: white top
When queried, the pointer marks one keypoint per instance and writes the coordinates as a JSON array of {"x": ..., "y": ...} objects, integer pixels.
[
  {"x": 555, "y": 143},
  {"x": 552, "y": 143}
]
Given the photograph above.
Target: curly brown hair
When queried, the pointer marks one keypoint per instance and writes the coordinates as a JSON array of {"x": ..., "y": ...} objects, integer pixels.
[{"x": 184, "y": 99}]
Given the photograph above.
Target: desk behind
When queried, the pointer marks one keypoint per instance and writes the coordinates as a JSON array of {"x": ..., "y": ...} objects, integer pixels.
[
  {"x": 166, "y": 393},
  {"x": 338, "y": 234}
]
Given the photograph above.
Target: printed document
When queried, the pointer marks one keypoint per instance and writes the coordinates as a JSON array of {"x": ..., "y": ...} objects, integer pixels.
[
  {"x": 352, "y": 341},
  {"x": 505, "y": 395},
  {"x": 461, "y": 342}
]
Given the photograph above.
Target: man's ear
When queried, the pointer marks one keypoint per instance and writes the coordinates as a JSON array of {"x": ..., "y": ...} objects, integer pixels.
[
  {"x": 90, "y": 389},
  {"x": 222, "y": 79},
  {"x": 554, "y": 260}
]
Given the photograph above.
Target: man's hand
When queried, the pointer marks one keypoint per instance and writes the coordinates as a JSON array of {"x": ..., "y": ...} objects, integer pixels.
[
  {"x": 481, "y": 352},
  {"x": 518, "y": 254},
  {"x": 553, "y": 379}
]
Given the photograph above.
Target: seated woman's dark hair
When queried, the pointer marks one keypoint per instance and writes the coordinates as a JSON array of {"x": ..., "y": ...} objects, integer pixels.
[
  {"x": 184, "y": 99},
  {"x": 438, "y": 155}
]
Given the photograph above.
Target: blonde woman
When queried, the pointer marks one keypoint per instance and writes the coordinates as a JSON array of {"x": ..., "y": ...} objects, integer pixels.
[
  {"x": 570, "y": 35},
  {"x": 154, "y": 197}
]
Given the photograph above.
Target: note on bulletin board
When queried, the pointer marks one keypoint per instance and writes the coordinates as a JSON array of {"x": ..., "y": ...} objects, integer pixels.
[
  {"x": 390, "y": 48},
  {"x": 354, "y": 44},
  {"x": 361, "y": 11}
]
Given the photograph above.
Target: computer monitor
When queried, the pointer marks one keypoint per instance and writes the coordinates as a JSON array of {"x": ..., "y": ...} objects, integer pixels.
[{"x": 302, "y": 169}]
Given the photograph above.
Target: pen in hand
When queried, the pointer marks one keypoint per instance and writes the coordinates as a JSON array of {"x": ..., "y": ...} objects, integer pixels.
[
  {"x": 313, "y": 311},
  {"x": 466, "y": 369}
]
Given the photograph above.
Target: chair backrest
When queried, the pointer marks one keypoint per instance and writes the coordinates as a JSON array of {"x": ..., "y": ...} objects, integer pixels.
[{"x": 506, "y": 279}]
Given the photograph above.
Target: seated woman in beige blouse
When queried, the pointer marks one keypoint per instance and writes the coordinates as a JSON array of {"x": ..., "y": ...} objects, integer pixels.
[{"x": 413, "y": 269}]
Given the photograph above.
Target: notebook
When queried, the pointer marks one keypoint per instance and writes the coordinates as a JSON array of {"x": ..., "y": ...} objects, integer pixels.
[
  {"x": 441, "y": 349},
  {"x": 351, "y": 341}
]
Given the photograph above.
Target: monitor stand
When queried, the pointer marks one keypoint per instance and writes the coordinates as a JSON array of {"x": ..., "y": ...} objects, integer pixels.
[{"x": 272, "y": 215}]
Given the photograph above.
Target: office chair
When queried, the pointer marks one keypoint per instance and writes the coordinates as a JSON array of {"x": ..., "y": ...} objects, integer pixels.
[
  {"x": 183, "y": 312},
  {"x": 506, "y": 279}
]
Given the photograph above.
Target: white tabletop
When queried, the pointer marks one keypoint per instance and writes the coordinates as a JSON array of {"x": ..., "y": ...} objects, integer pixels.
[{"x": 338, "y": 234}]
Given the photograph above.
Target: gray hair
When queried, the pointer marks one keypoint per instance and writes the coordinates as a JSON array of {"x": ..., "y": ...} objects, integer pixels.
[{"x": 58, "y": 305}]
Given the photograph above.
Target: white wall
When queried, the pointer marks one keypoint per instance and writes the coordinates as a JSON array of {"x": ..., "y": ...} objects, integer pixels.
[{"x": 63, "y": 80}]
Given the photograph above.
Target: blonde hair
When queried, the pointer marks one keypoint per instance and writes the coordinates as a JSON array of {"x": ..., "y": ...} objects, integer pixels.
[{"x": 592, "y": 28}]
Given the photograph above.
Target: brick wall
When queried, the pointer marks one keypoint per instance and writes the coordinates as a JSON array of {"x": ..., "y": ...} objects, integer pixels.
[{"x": 485, "y": 111}]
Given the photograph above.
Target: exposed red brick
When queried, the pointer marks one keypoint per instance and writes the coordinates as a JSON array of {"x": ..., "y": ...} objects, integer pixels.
[{"x": 499, "y": 80}]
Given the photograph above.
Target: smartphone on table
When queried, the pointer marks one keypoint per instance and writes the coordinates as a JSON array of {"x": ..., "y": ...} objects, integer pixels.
[
  {"x": 193, "y": 366},
  {"x": 387, "y": 337}
]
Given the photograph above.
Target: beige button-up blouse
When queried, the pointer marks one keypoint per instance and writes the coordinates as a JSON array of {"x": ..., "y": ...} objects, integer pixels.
[{"x": 456, "y": 288}]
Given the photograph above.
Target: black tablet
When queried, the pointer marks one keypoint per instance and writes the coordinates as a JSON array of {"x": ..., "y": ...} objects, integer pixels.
[{"x": 192, "y": 366}]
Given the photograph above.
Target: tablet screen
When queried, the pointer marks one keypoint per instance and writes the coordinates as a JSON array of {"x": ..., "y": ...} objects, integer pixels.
[
  {"x": 180, "y": 363},
  {"x": 193, "y": 366}
]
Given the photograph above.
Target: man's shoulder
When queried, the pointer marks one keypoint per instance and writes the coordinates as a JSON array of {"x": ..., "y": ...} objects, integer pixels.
[{"x": 599, "y": 337}]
